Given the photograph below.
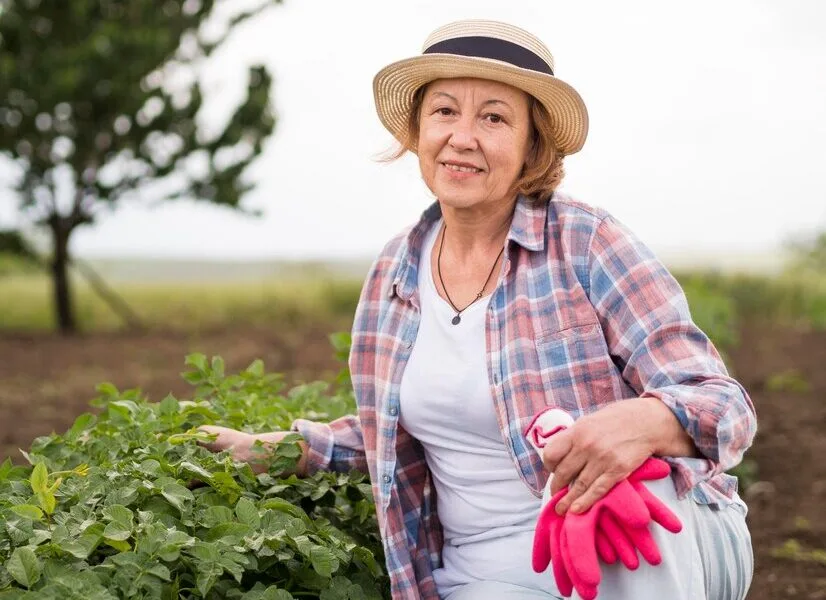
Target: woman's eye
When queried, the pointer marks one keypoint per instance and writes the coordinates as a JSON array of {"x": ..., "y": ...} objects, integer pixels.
[
  {"x": 444, "y": 111},
  {"x": 493, "y": 118}
]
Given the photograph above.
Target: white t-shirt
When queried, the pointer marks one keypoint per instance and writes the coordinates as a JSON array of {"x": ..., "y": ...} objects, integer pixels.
[{"x": 488, "y": 514}]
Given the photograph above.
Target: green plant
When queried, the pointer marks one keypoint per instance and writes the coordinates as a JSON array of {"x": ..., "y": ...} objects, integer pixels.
[
  {"x": 791, "y": 549},
  {"x": 713, "y": 312},
  {"x": 128, "y": 504},
  {"x": 790, "y": 380}
]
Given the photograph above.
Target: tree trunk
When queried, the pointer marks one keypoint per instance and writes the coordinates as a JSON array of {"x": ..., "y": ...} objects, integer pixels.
[{"x": 64, "y": 312}]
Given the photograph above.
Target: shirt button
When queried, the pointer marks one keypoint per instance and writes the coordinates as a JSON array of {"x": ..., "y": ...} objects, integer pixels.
[
  {"x": 394, "y": 411},
  {"x": 386, "y": 479},
  {"x": 409, "y": 345}
]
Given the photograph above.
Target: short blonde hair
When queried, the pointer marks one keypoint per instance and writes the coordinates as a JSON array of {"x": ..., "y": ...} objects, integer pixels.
[{"x": 543, "y": 170}]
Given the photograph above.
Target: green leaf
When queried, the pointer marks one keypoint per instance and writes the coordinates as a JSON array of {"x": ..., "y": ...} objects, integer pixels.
[
  {"x": 175, "y": 542},
  {"x": 365, "y": 557},
  {"x": 116, "y": 532},
  {"x": 160, "y": 571},
  {"x": 47, "y": 501},
  {"x": 226, "y": 485},
  {"x": 177, "y": 495},
  {"x": 338, "y": 590},
  {"x": 230, "y": 533},
  {"x": 256, "y": 368},
  {"x": 217, "y": 515},
  {"x": 169, "y": 406},
  {"x": 119, "y": 545},
  {"x": 282, "y": 505},
  {"x": 197, "y": 360},
  {"x": 247, "y": 513},
  {"x": 121, "y": 523},
  {"x": 39, "y": 479},
  {"x": 190, "y": 470},
  {"x": 28, "y": 511},
  {"x": 151, "y": 467},
  {"x": 24, "y": 567},
  {"x": 20, "y": 530},
  {"x": 207, "y": 577},
  {"x": 323, "y": 561},
  {"x": 8, "y": 470},
  {"x": 81, "y": 424},
  {"x": 218, "y": 367}
]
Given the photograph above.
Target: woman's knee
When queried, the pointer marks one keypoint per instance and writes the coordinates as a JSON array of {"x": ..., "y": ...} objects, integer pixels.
[{"x": 494, "y": 590}]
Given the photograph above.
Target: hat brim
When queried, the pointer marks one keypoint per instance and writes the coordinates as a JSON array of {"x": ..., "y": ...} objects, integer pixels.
[{"x": 395, "y": 85}]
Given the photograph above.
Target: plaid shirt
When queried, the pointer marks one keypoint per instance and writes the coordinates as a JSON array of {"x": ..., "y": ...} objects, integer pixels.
[{"x": 583, "y": 315}]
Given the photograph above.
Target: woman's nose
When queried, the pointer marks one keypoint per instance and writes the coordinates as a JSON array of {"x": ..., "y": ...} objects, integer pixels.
[{"x": 462, "y": 136}]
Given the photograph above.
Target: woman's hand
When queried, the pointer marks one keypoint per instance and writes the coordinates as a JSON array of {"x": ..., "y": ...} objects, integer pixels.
[
  {"x": 604, "y": 447},
  {"x": 243, "y": 449}
]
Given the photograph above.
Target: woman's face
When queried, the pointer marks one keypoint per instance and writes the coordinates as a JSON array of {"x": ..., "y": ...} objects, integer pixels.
[{"x": 474, "y": 137}]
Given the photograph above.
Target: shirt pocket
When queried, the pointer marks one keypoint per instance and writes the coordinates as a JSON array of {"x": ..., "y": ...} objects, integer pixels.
[{"x": 577, "y": 372}]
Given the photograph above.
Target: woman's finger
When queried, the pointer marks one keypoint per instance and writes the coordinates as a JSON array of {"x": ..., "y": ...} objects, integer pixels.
[
  {"x": 567, "y": 470},
  {"x": 556, "y": 449},
  {"x": 580, "y": 484},
  {"x": 224, "y": 440},
  {"x": 598, "y": 487}
]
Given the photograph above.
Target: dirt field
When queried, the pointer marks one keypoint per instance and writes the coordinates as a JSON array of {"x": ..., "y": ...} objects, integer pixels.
[{"x": 45, "y": 382}]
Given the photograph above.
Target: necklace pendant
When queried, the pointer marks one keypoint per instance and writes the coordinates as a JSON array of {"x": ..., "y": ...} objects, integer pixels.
[{"x": 456, "y": 320}]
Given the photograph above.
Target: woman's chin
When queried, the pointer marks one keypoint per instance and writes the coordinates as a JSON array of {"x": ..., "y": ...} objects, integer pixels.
[{"x": 450, "y": 196}]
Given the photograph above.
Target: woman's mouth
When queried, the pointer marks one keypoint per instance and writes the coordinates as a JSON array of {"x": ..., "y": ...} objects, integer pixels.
[{"x": 461, "y": 168}]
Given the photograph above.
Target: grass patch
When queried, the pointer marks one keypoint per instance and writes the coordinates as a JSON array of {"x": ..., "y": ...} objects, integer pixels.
[
  {"x": 25, "y": 303},
  {"x": 789, "y": 299},
  {"x": 791, "y": 549},
  {"x": 790, "y": 380},
  {"x": 720, "y": 303}
]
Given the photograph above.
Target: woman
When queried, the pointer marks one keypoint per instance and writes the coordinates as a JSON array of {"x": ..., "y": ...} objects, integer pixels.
[{"x": 507, "y": 298}]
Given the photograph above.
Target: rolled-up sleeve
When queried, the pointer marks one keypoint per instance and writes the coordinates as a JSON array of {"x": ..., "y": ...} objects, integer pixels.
[
  {"x": 334, "y": 446},
  {"x": 663, "y": 354}
]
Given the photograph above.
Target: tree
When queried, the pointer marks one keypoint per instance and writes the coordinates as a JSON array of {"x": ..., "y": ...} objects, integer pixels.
[{"x": 100, "y": 102}]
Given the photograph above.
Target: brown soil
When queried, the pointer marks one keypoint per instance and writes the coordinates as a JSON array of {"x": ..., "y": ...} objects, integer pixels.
[{"x": 45, "y": 382}]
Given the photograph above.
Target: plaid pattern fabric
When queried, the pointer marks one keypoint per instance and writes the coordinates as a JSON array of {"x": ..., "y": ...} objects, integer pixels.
[{"x": 583, "y": 315}]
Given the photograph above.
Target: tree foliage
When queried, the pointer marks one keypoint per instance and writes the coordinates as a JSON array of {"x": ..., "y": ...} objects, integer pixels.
[{"x": 100, "y": 101}]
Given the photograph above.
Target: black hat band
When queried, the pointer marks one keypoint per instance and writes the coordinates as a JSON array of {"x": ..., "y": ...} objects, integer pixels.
[{"x": 493, "y": 48}]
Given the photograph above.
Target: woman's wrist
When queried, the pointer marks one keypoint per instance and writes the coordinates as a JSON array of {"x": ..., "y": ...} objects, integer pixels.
[{"x": 665, "y": 433}]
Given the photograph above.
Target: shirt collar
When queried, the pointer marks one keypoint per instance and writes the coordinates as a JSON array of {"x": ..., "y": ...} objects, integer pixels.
[{"x": 528, "y": 228}]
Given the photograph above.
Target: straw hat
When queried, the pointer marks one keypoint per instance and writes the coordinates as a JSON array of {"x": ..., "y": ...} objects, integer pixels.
[{"x": 486, "y": 50}]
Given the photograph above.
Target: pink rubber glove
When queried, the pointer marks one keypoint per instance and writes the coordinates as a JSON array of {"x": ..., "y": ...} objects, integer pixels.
[
  {"x": 547, "y": 542},
  {"x": 546, "y": 538},
  {"x": 641, "y": 538},
  {"x": 623, "y": 506},
  {"x": 547, "y": 546},
  {"x": 653, "y": 469},
  {"x": 614, "y": 531},
  {"x": 620, "y": 532}
]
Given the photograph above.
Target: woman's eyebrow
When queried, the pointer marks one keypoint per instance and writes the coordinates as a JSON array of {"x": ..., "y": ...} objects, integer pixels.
[
  {"x": 445, "y": 94},
  {"x": 496, "y": 101},
  {"x": 485, "y": 103}
]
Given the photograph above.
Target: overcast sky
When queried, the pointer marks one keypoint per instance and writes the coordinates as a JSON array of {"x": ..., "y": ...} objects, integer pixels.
[{"x": 708, "y": 126}]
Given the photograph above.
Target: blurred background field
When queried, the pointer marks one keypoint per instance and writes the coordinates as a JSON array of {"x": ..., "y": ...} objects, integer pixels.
[{"x": 189, "y": 296}]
